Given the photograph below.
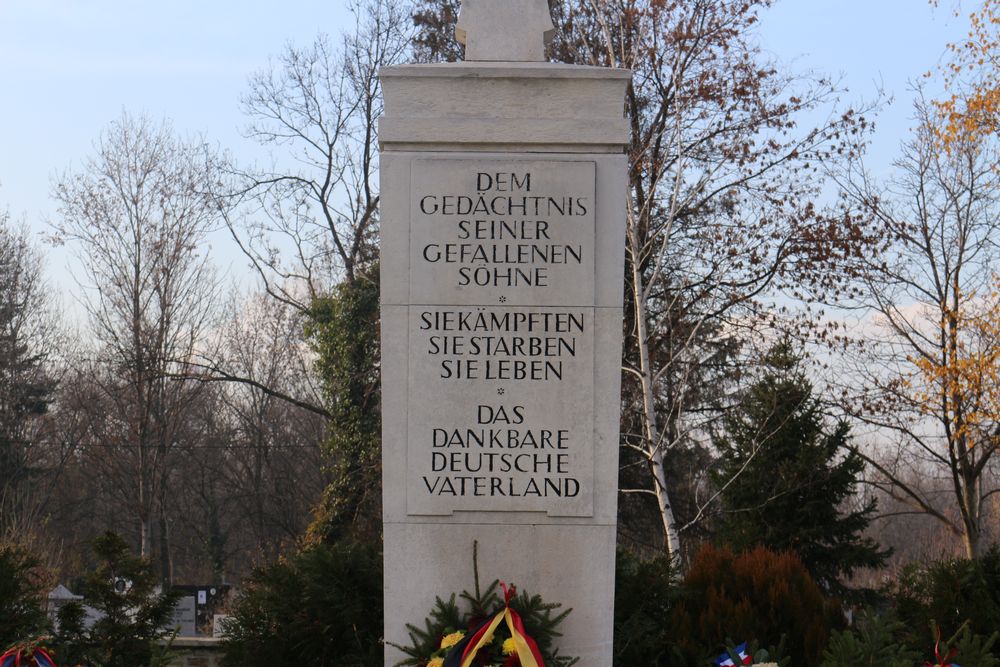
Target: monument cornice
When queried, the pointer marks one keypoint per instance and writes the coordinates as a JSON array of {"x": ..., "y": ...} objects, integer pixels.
[
  {"x": 493, "y": 105},
  {"x": 501, "y": 70}
]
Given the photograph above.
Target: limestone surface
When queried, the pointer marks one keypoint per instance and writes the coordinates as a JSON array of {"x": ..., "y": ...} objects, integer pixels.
[
  {"x": 502, "y": 246},
  {"x": 505, "y": 30}
]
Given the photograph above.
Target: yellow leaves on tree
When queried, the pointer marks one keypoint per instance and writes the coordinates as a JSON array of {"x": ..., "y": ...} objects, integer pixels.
[
  {"x": 965, "y": 380},
  {"x": 972, "y": 78}
]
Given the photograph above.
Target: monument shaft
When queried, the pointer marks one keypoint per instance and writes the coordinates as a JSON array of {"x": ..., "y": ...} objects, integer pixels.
[{"x": 503, "y": 200}]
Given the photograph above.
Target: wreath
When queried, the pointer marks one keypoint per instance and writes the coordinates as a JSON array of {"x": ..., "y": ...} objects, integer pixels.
[
  {"x": 495, "y": 627},
  {"x": 27, "y": 655}
]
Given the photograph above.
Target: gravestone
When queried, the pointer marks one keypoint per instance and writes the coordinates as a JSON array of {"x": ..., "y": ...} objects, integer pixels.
[
  {"x": 58, "y": 598},
  {"x": 208, "y": 599},
  {"x": 219, "y": 625},
  {"x": 183, "y": 618},
  {"x": 502, "y": 250}
]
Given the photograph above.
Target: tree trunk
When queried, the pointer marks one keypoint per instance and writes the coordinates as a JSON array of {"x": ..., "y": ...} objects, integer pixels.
[
  {"x": 971, "y": 516},
  {"x": 671, "y": 537},
  {"x": 145, "y": 524},
  {"x": 652, "y": 446},
  {"x": 166, "y": 575},
  {"x": 145, "y": 537}
]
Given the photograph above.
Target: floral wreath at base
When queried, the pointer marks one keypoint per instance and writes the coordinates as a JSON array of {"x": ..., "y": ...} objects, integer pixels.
[
  {"x": 950, "y": 651},
  {"x": 518, "y": 630},
  {"x": 27, "y": 655}
]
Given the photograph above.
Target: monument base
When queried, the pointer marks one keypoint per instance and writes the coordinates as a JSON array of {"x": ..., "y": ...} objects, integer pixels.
[{"x": 567, "y": 564}]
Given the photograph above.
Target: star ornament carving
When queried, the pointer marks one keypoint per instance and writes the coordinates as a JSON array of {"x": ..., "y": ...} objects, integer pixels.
[{"x": 505, "y": 30}]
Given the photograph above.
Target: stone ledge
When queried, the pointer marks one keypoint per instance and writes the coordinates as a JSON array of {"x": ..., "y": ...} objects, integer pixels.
[
  {"x": 504, "y": 70},
  {"x": 497, "y": 131},
  {"x": 527, "y": 104},
  {"x": 196, "y": 642},
  {"x": 196, "y": 652}
]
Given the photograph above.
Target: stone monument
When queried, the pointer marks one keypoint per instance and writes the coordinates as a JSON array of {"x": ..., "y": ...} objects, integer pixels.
[{"x": 502, "y": 250}]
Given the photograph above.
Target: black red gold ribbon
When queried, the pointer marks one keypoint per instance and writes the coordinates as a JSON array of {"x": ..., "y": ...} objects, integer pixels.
[
  {"x": 937, "y": 654},
  {"x": 525, "y": 648},
  {"x": 19, "y": 657}
]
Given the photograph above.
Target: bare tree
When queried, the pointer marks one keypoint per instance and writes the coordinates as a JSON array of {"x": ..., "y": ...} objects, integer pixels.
[
  {"x": 29, "y": 464},
  {"x": 927, "y": 354},
  {"x": 308, "y": 222},
  {"x": 137, "y": 216},
  {"x": 279, "y": 475},
  {"x": 250, "y": 459},
  {"x": 720, "y": 218},
  {"x": 312, "y": 216}
]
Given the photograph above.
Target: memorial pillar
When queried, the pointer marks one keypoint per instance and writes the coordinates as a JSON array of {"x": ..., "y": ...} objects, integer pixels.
[{"x": 502, "y": 250}]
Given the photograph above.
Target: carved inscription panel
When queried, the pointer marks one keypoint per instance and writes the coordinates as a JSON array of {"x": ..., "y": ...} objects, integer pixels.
[
  {"x": 500, "y": 415},
  {"x": 494, "y": 232}
]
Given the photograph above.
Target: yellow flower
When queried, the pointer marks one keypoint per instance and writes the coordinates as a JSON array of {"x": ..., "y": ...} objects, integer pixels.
[
  {"x": 509, "y": 647},
  {"x": 451, "y": 640},
  {"x": 436, "y": 662}
]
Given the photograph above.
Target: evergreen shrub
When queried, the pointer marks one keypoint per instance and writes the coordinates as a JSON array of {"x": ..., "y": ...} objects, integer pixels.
[
  {"x": 787, "y": 475},
  {"x": 759, "y": 595},
  {"x": 321, "y": 606},
  {"x": 952, "y": 592},
  {"x": 134, "y": 614},
  {"x": 645, "y": 595},
  {"x": 874, "y": 640},
  {"x": 22, "y": 586},
  {"x": 971, "y": 649}
]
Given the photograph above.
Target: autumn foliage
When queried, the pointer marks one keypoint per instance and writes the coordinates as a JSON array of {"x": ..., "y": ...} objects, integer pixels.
[
  {"x": 968, "y": 373},
  {"x": 972, "y": 75}
]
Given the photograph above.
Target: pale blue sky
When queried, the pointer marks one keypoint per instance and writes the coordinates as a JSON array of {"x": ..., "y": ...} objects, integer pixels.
[
  {"x": 867, "y": 44},
  {"x": 69, "y": 67}
]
